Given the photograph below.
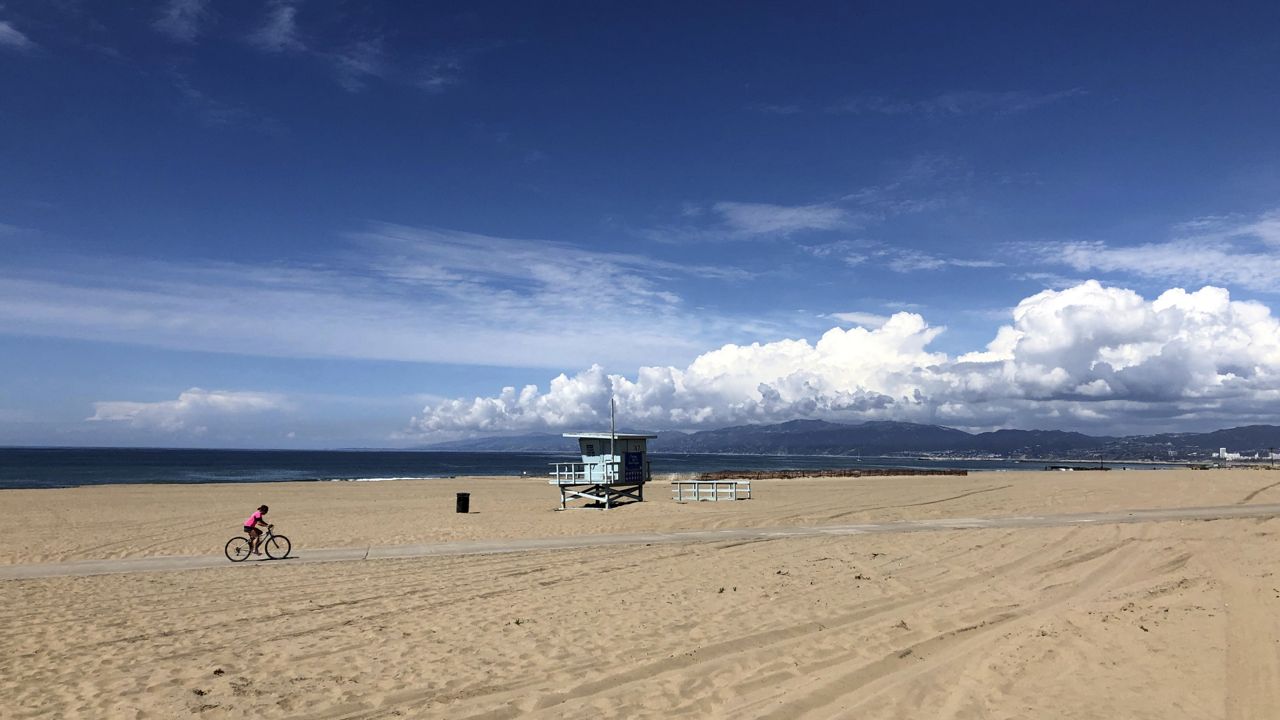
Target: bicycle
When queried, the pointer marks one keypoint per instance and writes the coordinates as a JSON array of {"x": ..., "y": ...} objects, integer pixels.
[{"x": 239, "y": 548}]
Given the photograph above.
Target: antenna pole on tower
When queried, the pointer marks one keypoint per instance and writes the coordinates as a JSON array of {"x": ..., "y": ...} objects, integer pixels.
[{"x": 613, "y": 433}]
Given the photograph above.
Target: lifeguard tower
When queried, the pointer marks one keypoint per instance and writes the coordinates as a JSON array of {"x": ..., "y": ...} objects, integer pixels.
[{"x": 614, "y": 467}]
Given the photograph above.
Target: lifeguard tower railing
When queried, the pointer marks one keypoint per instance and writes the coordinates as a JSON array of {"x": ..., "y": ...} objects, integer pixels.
[
  {"x": 577, "y": 473},
  {"x": 600, "y": 482}
]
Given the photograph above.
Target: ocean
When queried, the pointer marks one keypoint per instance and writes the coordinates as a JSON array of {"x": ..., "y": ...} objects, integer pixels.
[{"x": 71, "y": 467}]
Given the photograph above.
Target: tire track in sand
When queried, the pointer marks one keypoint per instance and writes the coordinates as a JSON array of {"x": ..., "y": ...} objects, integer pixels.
[
  {"x": 703, "y": 661},
  {"x": 493, "y": 703},
  {"x": 1253, "y": 638},
  {"x": 868, "y": 683}
]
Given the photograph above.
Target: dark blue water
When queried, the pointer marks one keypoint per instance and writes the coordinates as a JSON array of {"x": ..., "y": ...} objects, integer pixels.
[{"x": 70, "y": 467}]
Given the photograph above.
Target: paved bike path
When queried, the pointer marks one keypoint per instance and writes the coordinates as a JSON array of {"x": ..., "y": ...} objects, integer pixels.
[{"x": 77, "y": 568}]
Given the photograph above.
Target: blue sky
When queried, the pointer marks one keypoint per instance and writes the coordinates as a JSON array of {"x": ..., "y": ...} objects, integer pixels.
[{"x": 327, "y": 224}]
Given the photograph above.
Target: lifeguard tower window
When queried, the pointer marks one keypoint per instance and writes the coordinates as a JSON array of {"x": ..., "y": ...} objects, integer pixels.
[{"x": 614, "y": 468}]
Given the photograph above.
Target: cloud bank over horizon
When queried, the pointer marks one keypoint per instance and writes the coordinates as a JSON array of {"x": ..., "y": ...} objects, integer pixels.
[
  {"x": 194, "y": 410},
  {"x": 1088, "y": 356}
]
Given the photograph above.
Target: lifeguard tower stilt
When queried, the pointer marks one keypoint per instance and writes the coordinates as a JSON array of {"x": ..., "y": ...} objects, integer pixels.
[{"x": 614, "y": 468}]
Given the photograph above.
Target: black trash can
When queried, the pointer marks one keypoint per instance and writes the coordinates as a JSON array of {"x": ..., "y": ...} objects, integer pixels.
[{"x": 464, "y": 502}]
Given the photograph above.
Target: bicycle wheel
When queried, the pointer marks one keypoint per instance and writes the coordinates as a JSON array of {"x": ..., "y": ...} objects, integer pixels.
[
  {"x": 277, "y": 547},
  {"x": 238, "y": 549}
]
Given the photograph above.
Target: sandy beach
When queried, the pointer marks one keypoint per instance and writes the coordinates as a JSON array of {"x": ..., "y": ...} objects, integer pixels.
[{"x": 1162, "y": 620}]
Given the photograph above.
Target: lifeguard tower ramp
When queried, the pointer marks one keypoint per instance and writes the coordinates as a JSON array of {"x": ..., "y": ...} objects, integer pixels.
[{"x": 614, "y": 468}]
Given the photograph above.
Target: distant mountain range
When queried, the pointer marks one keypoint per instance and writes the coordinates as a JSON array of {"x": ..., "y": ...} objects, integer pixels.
[{"x": 818, "y": 437}]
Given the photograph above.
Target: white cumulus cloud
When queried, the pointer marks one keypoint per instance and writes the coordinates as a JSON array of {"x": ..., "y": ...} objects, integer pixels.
[
  {"x": 1092, "y": 356},
  {"x": 192, "y": 410}
]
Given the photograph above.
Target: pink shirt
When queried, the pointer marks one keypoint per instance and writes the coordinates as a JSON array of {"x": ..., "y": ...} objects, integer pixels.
[{"x": 253, "y": 519}]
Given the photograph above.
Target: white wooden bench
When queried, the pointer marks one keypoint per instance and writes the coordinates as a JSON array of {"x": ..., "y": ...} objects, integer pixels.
[{"x": 710, "y": 490}]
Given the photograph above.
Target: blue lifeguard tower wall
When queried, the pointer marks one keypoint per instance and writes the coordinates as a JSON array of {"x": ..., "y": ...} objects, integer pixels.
[
  {"x": 626, "y": 463},
  {"x": 614, "y": 467}
]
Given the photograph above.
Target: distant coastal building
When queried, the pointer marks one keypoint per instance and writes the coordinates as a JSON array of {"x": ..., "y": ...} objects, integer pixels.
[{"x": 1223, "y": 454}]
